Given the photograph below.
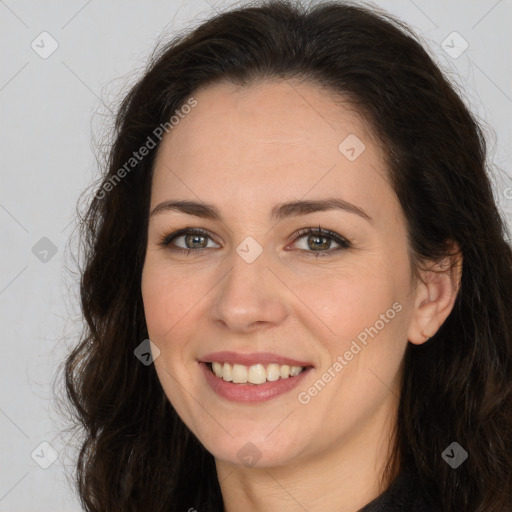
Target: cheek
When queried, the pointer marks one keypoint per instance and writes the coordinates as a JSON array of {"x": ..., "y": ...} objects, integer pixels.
[
  {"x": 166, "y": 297},
  {"x": 366, "y": 311},
  {"x": 348, "y": 301},
  {"x": 367, "y": 316}
]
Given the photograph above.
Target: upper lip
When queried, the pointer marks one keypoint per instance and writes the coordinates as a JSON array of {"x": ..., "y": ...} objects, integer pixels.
[{"x": 249, "y": 359}]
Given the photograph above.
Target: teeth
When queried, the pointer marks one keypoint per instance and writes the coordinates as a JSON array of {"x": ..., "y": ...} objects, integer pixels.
[
  {"x": 217, "y": 369},
  {"x": 239, "y": 373},
  {"x": 273, "y": 372},
  {"x": 227, "y": 372},
  {"x": 295, "y": 370},
  {"x": 255, "y": 374}
]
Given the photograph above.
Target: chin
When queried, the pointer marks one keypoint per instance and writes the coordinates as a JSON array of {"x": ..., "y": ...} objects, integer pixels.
[{"x": 257, "y": 451}]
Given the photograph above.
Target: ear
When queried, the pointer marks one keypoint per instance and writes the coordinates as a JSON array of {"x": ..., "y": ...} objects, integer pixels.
[{"x": 435, "y": 295}]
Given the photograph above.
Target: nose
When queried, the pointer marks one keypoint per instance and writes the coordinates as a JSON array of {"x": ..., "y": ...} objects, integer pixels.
[{"x": 249, "y": 296}]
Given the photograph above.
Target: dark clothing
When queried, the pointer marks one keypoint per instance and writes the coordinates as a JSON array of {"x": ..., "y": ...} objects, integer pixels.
[{"x": 403, "y": 495}]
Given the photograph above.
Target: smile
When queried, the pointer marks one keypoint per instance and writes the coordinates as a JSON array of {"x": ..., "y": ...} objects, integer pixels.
[
  {"x": 255, "y": 374},
  {"x": 252, "y": 378}
]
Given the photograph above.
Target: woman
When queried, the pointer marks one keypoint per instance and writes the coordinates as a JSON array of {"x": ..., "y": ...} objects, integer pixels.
[{"x": 297, "y": 214}]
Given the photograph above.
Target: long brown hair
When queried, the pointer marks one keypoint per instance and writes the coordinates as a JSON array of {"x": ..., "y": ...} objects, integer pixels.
[{"x": 136, "y": 453}]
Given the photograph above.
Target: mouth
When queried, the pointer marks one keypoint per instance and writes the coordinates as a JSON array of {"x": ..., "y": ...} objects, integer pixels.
[
  {"x": 252, "y": 377},
  {"x": 255, "y": 374}
]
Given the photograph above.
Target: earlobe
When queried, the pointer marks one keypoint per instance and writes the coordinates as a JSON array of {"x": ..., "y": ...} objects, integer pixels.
[{"x": 436, "y": 293}]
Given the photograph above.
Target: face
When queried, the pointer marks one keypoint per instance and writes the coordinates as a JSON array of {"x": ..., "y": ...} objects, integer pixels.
[{"x": 240, "y": 282}]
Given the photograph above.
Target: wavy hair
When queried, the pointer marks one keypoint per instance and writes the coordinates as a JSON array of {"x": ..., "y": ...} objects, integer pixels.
[{"x": 135, "y": 452}]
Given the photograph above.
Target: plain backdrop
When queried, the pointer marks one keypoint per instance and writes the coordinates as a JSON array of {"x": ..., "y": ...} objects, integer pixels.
[{"x": 64, "y": 68}]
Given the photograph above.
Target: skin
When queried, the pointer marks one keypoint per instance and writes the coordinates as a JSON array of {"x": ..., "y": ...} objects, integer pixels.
[{"x": 245, "y": 149}]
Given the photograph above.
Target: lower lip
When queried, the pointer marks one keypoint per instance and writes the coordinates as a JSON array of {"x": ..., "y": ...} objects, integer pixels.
[{"x": 251, "y": 393}]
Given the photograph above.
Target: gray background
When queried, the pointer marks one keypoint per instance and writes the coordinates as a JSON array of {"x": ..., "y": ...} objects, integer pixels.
[{"x": 53, "y": 109}]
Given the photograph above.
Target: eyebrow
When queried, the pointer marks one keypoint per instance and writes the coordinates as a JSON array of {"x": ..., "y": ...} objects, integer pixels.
[{"x": 278, "y": 212}]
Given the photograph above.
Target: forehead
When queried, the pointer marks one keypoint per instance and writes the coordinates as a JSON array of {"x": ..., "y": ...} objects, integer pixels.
[{"x": 269, "y": 142}]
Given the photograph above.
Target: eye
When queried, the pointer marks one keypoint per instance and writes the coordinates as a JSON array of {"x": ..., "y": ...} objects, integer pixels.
[
  {"x": 318, "y": 241},
  {"x": 195, "y": 240}
]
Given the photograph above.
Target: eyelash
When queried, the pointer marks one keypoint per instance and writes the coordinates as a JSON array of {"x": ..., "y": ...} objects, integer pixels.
[{"x": 301, "y": 233}]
